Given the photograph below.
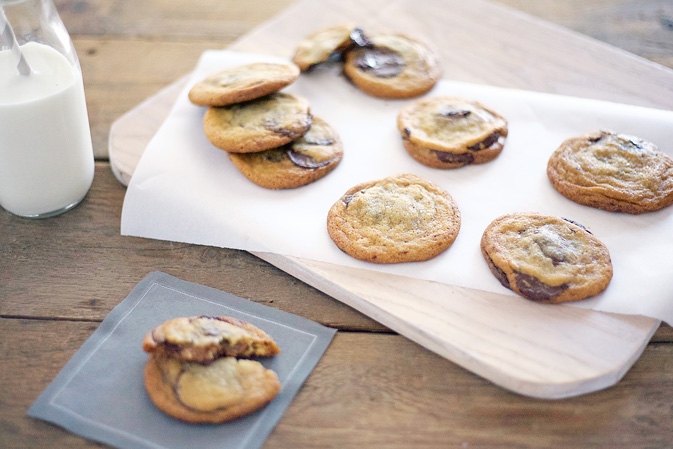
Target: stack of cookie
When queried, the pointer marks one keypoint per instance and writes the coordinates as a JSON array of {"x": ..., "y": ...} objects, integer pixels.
[
  {"x": 270, "y": 136},
  {"x": 199, "y": 369},
  {"x": 385, "y": 65}
]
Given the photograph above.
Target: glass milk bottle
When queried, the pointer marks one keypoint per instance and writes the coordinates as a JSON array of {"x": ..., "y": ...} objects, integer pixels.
[{"x": 46, "y": 155}]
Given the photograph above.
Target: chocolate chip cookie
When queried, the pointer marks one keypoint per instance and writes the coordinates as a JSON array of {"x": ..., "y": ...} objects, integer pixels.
[
  {"x": 301, "y": 162},
  {"x": 194, "y": 372},
  {"x": 242, "y": 83},
  {"x": 545, "y": 258},
  {"x": 449, "y": 132},
  {"x": 401, "y": 218},
  {"x": 257, "y": 125},
  {"x": 327, "y": 44},
  {"x": 205, "y": 338},
  {"x": 613, "y": 172},
  {"x": 393, "y": 66},
  {"x": 224, "y": 390}
]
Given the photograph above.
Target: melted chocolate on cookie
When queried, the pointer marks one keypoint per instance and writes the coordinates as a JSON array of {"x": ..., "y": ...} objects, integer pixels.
[
  {"x": 304, "y": 160},
  {"x": 454, "y": 158},
  {"x": 486, "y": 143},
  {"x": 532, "y": 288},
  {"x": 380, "y": 62},
  {"x": 359, "y": 38},
  {"x": 451, "y": 112},
  {"x": 272, "y": 125}
]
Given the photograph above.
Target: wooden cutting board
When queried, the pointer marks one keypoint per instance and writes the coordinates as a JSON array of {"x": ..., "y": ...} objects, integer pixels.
[{"x": 531, "y": 349}]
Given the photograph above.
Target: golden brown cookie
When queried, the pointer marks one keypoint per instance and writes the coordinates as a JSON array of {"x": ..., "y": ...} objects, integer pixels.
[
  {"x": 545, "y": 258},
  {"x": 394, "y": 66},
  {"x": 449, "y": 132},
  {"x": 613, "y": 172},
  {"x": 242, "y": 83},
  {"x": 206, "y": 338},
  {"x": 301, "y": 162},
  {"x": 257, "y": 125},
  {"x": 401, "y": 218},
  {"x": 327, "y": 44},
  {"x": 224, "y": 390}
]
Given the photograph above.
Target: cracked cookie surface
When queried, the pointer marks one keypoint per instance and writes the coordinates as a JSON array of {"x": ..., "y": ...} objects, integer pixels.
[
  {"x": 449, "y": 132},
  {"x": 545, "y": 258},
  {"x": 257, "y": 125},
  {"x": 402, "y": 218},
  {"x": 301, "y": 162},
  {"x": 613, "y": 172},
  {"x": 242, "y": 83},
  {"x": 392, "y": 66},
  {"x": 205, "y": 338},
  {"x": 224, "y": 390}
]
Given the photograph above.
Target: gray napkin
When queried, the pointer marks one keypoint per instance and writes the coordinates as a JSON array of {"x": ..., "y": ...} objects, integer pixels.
[{"x": 100, "y": 395}]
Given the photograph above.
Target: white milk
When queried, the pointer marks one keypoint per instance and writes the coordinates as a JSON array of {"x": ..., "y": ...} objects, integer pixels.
[{"x": 46, "y": 157}]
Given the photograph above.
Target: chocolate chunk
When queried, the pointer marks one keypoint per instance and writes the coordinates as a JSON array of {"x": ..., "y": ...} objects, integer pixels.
[
  {"x": 551, "y": 251},
  {"x": 359, "y": 38},
  {"x": 304, "y": 160},
  {"x": 320, "y": 142},
  {"x": 597, "y": 139},
  {"x": 637, "y": 144},
  {"x": 577, "y": 224},
  {"x": 286, "y": 132},
  {"x": 449, "y": 112},
  {"x": 497, "y": 272},
  {"x": 347, "y": 199},
  {"x": 486, "y": 143},
  {"x": 407, "y": 132},
  {"x": 272, "y": 125},
  {"x": 532, "y": 288},
  {"x": 454, "y": 158},
  {"x": 380, "y": 62}
]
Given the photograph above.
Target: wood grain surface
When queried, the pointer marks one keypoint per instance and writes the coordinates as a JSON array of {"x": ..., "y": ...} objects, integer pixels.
[
  {"x": 378, "y": 390},
  {"x": 60, "y": 277},
  {"x": 419, "y": 309}
]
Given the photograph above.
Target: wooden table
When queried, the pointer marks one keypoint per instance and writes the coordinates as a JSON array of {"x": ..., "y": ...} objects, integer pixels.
[{"x": 60, "y": 277}]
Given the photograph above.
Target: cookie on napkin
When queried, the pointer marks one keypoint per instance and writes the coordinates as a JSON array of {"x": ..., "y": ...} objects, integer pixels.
[
  {"x": 450, "y": 132},
  {"x": 205, "y": 338},
  {"x": 402, "y": 218},
  {"x": 613, "y": 172},
  {"x": 242, "y": 83},
  {"x": 545, "y": 258},
  {"x": 195, "y": 372},
  {"x": 224, "y": 390}
]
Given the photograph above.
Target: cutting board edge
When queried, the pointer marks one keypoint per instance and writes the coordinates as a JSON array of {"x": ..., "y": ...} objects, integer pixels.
[{"x": 645, "y": 327}]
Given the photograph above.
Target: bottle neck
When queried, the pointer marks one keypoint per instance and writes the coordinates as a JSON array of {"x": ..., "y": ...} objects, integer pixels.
[{"x": 38, "y": 21}]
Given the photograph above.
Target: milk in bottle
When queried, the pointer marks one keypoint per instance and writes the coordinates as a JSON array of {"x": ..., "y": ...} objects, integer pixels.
[{"x": 46, "y": 156}]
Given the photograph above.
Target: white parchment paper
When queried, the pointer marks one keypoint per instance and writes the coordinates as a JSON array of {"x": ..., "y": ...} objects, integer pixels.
[{"x": 185, "y": 189}]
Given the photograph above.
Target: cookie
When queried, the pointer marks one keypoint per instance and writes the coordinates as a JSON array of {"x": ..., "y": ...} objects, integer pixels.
[
  {"x": 613, "y": 172},
  {"x": 301, "y": 162},
  {"x": 224, "y": 390},
  {"x": 401, "y": 218},
  {"x": 449, "y": 132},
  {"x": 327, "y": 44},
  {"x": 545, "y": 258},
  {"x": 257, "y": 125},
  {"x": 242, "y": 83},
  {"x": 206, "y": 338},
  {"x": 394, "y": 66}
]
